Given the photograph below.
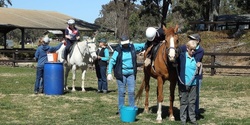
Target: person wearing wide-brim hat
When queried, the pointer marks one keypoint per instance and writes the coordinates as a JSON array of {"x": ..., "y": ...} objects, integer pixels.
[
  {"x": 101, "y": 65},
  {"x": 123, "y": 61}
]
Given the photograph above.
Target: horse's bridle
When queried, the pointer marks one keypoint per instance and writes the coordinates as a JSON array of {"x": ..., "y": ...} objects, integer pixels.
[
  {"x": 87, "y": 49},
  {"x": 167, "y": 50}
]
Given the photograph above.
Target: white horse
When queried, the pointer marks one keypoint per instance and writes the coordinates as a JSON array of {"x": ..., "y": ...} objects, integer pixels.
[{"x": 83, "y": 53}]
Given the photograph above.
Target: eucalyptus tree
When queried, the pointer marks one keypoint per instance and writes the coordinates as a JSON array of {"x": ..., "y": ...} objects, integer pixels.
[
  {"x": 244, "y": 5},
  {"x": 4, "y": 3},
  {"x": 115, "y": 15}
]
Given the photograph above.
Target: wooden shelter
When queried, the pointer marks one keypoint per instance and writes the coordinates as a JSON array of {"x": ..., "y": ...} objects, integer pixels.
[{"x": 11, "y": 19}]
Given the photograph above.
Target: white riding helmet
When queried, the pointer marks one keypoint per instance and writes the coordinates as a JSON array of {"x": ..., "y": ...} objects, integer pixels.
[
  {"x": 71, "y": 21},
  {"x": 151, "y": 33}
]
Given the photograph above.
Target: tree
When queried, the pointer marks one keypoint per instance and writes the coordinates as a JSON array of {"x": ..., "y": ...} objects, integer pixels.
[
  {"x": 116, "y": 16},
  {"x": 122, "y": 16},
  {"x": 158, "y": 9},
  {"x": 244, "y": 5},
  {"x": 3, "y": 3}
]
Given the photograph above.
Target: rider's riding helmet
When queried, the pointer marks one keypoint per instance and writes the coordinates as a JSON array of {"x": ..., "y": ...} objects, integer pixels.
[
  {"x": 71, "y": 21},
  {"x": 151, "y": 33}
]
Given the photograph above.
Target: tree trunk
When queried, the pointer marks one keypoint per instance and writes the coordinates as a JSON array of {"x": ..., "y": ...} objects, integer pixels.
[
  {"x": 165, "y": 11},
  {"x": 122, "y": 11}
]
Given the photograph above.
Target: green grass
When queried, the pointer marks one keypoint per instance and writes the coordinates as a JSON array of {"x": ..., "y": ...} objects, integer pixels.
[{"x": 224, "y": 101}]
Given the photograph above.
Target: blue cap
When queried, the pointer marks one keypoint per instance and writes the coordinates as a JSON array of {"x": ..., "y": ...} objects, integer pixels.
[
  {"x": 124, "y": 40},
  {"x": 102, "y": 40},
  {"x": 195, "y": 37}
]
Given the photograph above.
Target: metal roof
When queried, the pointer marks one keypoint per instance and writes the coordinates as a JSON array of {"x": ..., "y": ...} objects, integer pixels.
[{"x": 11, "y": 18}]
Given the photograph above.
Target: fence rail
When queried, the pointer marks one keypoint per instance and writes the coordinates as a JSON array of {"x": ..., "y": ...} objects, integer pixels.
[
  {"x": 15, "y": 59},
  {"x": 214, "y": 55},
  {"x": 212, "y": 66}
]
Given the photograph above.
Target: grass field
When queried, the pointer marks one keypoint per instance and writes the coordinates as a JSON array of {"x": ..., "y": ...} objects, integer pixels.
[{"x": 225, "y": 100}]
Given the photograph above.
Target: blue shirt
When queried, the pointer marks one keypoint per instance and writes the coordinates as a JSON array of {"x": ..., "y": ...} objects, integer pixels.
[
  {"x": 190, "y": 68},
  {"x": 127, "y": 65}
]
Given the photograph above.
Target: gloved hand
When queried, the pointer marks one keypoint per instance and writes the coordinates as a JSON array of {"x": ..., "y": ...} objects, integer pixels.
[
  {"x": 64, "y": 42},
  {"x": 110, "y": 77}
]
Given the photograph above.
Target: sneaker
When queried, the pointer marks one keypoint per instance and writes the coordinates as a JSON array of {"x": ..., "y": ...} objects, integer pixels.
[
  {"x": 40, "y": 90},
  {"x": 105, "y": 91},
  {"x": 36, "y": 92},
  {"x": 147, "y": 61},
  {"x": 98, "y": 91},
  {"x": 194, "y": 123}
]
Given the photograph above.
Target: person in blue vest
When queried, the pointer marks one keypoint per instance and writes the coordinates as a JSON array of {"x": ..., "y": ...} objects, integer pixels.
[
  {"x": 41, "y": 58},
  {"x": 187, "y": 71},
  {"x": 72, "y": 35},
  {"x": 198, "y": 55},
  {"x": 101, "y": 65},
  {"x": 123, "y": 61}
]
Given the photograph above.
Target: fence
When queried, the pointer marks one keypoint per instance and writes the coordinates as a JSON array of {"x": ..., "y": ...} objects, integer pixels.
[
  {"x": 15, "y": 59},
  {"x": 17, "y": 56},
  {"x": 214, "y": 55}
]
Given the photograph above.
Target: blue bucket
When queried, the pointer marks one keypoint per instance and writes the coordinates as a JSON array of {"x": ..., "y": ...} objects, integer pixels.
[
  {"x": 53, "y": 78},
  {"x": 128, "y": 113}
]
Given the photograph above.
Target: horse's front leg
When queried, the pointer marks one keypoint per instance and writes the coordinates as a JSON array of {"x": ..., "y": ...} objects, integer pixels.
[
  {"x": 159, "y": 99},
  {"x": 73, "y": 77},
  {"x": 83, "y": 79},
  {"x": 171, "y": 100}
]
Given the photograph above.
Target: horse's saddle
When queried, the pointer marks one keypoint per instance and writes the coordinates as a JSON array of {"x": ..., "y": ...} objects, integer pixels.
[
  {"x": 154, "y": 50},
  {"x": 70, "y": 50}
]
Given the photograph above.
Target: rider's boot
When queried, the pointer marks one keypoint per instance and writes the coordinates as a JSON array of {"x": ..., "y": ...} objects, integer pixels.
[
  {"x": 65, "y": 58},
  {"x": 147, "y": 60}
]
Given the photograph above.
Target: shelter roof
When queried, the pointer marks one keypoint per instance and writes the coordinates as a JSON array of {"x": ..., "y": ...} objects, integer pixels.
[{"x": 11, "y": 18}]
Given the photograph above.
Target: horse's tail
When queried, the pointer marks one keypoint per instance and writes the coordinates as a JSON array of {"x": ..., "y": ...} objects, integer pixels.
[{"x": 140, "y": 91}]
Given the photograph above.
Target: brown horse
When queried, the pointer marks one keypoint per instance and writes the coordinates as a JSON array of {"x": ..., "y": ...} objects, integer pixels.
[{"x": 162, "y": 70}]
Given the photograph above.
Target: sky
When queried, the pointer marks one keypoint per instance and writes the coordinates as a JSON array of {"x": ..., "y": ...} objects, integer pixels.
[{"x": 86, "y": 10}]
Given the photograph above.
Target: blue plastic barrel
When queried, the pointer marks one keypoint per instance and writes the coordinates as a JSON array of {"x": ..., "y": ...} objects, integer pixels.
[
  {"x": 53, "y": 78},
  {"x": 128, "y": 113}
]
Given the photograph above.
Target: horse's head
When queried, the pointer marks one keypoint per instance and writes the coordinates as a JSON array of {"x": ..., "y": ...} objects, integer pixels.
[
  {"x": 171, "y": 39},
  {"x": 92, "y": 50}
]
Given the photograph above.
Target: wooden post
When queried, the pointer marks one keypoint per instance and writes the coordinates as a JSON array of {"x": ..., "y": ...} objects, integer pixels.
[{"x": 212, "y": 65}]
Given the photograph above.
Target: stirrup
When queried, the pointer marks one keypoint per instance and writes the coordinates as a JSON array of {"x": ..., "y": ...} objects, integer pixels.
[{"x": 147, "y": 61}]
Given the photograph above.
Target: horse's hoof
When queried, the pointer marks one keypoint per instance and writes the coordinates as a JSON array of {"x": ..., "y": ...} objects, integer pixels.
[
  {"x": 158, "y": 121},
  {"x": 83, "y": 90},
  {"x": 171, "y": 118},
  {"x": 73, "y": 90}
]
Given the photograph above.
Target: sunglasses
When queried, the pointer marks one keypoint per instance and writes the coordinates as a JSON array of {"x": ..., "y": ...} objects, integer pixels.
[{"x": 192, "y": 49}]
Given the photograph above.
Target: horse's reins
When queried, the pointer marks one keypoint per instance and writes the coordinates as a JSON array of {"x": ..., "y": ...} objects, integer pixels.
[
  {"x": 80, "y": 51},
  {"x": 196, "y": 72}
]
